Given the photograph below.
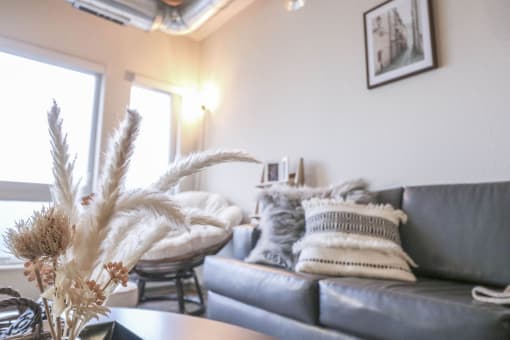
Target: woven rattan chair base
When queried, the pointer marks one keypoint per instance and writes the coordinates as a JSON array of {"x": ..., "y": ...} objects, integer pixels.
[{"x": 176, "y": 269}]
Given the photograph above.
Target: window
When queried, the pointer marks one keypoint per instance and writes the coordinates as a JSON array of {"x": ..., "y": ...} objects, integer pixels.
[
  {"x": 27, "y": 87},
  {"x": 153, "y": 145}
]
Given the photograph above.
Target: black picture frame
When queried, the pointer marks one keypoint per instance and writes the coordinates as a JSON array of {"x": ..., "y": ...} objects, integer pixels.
[
  {"x": 387, "y": 64},
  {"x": 273, "y": 172}
]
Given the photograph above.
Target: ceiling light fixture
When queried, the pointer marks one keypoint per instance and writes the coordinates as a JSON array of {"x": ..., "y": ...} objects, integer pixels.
[
  {"x": 174, "y": 3},
  {"x": 294, "y": 5}
]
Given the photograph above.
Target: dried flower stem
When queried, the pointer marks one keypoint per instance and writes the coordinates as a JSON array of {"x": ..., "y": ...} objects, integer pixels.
[
  {"x": 107, "y": 284},
  {"x": 72, "y": 328},
  {"x": 59, "y": 328},
  {"x": 58, "y": 322},
  {"x": 75, "y": 327},
  {"x": 45, "y": 302}
]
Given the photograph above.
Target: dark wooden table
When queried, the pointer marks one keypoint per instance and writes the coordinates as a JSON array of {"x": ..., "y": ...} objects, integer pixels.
[{"x": 156, "y": 325}]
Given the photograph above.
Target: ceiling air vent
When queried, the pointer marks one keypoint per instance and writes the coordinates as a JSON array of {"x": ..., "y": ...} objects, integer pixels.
[
  {"x": 138, "y": 13},
  {"x": 108, "y": 16},
  {"x": 150, "y": 15}
]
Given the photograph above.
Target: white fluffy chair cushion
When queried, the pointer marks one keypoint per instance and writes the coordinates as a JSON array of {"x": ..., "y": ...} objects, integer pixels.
[{"x": 182, "y": 243}]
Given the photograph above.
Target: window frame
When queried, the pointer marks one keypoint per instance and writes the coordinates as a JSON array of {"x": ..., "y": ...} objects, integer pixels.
[
  {"x": 175, "y": 94},
  {"x": 40, "y": 192}
]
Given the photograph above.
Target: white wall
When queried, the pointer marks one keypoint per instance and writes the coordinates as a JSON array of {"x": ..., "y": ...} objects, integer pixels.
[
  {"x": 55, "y": 25},
  {"x": 294, "y": 84}
]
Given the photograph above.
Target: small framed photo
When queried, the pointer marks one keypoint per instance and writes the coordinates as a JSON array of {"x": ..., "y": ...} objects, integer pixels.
[
  {"x": 272, "y": 172},
  {"x": 276, "y": 171},
  {"x": 399, "y": 41}
]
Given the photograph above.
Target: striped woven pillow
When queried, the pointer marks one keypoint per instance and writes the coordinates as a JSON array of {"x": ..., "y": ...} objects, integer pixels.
[{"x": 348, "y": 239}]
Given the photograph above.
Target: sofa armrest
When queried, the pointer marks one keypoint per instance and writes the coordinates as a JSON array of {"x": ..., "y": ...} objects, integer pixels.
[{"x": 243, "y": 240}]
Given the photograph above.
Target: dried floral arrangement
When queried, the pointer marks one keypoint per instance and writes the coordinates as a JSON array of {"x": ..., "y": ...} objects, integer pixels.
[{"x": 79, "y": 250}]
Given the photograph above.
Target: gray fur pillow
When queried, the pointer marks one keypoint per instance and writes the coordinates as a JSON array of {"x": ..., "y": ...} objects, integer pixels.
[{"x": 282, "y": 220}]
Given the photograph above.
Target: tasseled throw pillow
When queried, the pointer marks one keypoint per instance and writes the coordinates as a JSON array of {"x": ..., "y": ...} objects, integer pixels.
[
  {"x": 282, "y": 220},
  {"x": 348, "y": 239}
]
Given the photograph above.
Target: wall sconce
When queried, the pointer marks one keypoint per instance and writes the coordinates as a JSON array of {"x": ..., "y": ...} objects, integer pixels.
[
  {"x": 209, "y": 97},
  {"x": 197, "y": 104}
]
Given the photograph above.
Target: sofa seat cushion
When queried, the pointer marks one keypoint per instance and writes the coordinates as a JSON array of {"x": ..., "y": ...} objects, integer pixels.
[
  {"x": 427, "y": 309},
  {"x": 272, "y": 289}
]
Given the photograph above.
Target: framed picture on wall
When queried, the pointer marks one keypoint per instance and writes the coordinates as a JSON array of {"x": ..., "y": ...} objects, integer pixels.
[{"x": 399, "y": 41}]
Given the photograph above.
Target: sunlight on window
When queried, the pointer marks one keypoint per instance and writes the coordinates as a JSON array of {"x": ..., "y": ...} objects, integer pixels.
[
  {"x": 27, "y": 88},
  {"x": 152, "y": 150}
]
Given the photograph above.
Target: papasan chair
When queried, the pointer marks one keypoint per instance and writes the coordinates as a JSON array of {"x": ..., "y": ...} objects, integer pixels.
[{"x": 176, "y": 257}]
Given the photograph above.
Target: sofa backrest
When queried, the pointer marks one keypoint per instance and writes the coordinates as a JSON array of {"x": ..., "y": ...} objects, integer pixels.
[
  {"x": 459, "y": 231},
  {"x": 390, "y": 196}
]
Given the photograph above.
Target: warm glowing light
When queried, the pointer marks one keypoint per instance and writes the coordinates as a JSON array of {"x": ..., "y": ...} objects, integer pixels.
[
  {"x": 210, "y": 97},
  {"x": 197, "y": 103},
  {"x": 191, "y": 107}
]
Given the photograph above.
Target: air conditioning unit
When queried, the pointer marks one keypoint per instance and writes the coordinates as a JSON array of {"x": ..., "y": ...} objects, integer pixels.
[
  {"x": 142, "y": 14},
  {"x": 154, "y": 14}
]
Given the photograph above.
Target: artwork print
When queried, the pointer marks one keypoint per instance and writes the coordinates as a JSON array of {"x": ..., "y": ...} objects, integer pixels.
[{"x": 399, "y": 41}]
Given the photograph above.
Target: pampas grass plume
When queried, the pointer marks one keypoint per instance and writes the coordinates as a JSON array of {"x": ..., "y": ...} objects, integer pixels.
[{"x": 114, "y": 227}]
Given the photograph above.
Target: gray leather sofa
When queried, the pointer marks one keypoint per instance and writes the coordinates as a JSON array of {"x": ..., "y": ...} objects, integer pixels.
[{"x": 458, "y": 234}]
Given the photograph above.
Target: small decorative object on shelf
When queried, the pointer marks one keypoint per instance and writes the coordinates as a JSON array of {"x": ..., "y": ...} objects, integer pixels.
[
  {"x": 266, "y": 181},
  {"x": 299, "y": 179},
  {"x": 276, "y": 171},
  {"x": 78, "y": 251}
]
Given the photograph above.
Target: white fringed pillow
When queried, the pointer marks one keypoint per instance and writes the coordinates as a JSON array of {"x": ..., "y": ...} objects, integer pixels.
[{"x": 348, "y": 239}]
